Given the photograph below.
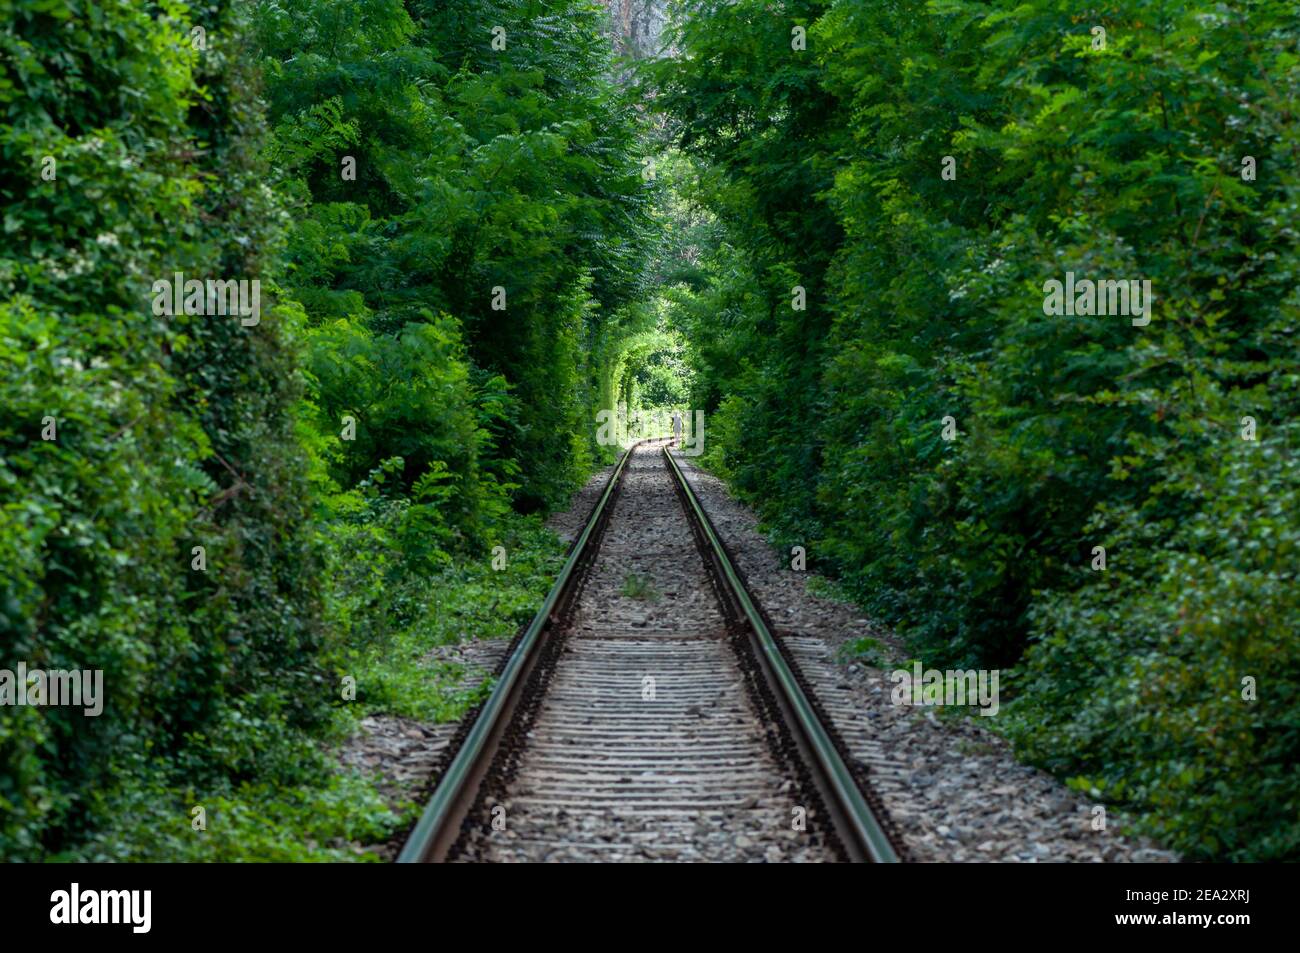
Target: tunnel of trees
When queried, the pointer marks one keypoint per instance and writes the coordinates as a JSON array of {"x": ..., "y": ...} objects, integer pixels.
[{"x": 829, "y": 225}]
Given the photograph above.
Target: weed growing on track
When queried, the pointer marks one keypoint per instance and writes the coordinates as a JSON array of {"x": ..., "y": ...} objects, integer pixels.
[{"x": 640, "y": 588}]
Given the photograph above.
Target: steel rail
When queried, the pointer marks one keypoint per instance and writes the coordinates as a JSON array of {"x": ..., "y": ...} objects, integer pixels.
[
  {"x": 855, "y": 816},
  {"x": 437, "y": 827}
]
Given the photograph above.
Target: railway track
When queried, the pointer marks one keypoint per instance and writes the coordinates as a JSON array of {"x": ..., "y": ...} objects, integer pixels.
[{"x": 648, "y": 713}]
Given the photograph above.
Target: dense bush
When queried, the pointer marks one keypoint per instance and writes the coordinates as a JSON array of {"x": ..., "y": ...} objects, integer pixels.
[
  {"x": 171, "y": 432},
  {"x": 824, "y": 169}
]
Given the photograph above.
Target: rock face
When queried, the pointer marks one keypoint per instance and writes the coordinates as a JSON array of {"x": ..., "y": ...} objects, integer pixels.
[{"x": 637, "y": 26}]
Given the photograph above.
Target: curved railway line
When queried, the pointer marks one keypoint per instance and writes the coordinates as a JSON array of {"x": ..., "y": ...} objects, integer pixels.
[{"x": 648, "y": 713}]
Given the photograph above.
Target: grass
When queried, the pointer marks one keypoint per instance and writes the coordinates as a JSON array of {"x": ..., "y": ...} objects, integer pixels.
[
  {"x": 639, "y": 587},
  {"x": 866, "y": 650}
]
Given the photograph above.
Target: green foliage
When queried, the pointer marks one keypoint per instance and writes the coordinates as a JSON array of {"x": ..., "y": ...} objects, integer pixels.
[
  {"x": 394, "y": 618},
  {"x": 823, "y": 169},
  {"x": 312, "y": 813},
  {"x": 1205, "y": 603},
  {"x": 172, "y": 432},
  {"x": 409, "y": 396},
  {"x": 476, "y": 169}
]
